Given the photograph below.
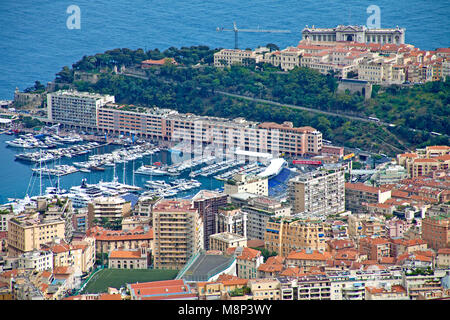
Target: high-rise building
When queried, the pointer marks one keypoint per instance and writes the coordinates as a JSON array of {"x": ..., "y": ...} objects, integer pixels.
[
  {"x": 207, "y": 203},
  {"x": 75, "y": 108},
  {"x": 320, "y": 192},
  {"x": 178, "y": 230},
  {"x": 436, "y": 231}
]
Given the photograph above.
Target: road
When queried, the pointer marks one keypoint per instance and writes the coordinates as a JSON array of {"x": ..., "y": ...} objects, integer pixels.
[{"x": 328, "y": 113}]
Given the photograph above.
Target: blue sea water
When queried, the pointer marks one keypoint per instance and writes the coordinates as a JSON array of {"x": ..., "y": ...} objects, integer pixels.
[{"x": 35, "y": 42}]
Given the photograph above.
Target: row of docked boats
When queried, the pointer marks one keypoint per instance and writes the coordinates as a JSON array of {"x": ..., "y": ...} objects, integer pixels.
[
  {"x": 118, "y": 156},
  {"x": 251, "y": 168},
  {"x": 83, "y": 194},
  {"x": 54, "y": 154},
  {"x": 174, "y": 169},
  {"x": 57, "y": 170},
  {"x": 216, "y": 168},
  {"x": 170, "y": 188},
  {"x": 41, "y": 141}
]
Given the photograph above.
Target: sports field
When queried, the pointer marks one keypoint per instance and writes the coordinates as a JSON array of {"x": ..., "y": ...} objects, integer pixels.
[{"x": 117, "y": 278}]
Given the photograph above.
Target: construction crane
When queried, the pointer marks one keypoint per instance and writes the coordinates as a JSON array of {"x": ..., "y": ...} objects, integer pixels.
[{"x": 236, "y": 31}]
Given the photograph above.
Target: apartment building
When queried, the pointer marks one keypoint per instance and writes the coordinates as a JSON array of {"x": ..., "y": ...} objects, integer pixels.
[
  {"x": 388, "y": 292},
  {"x": 307, "y": 259},
  {"x": 264, "y": 289},
  {"x": 443, "y": 258},
  {"x": 28, "y": 232},
  {"x": 133, "y": 222},
  {"x": 146, "y": 122},
  {"x": 75, "y": 108},
  {"x": 359, "y": 194},
  {"x": 248, "y": 262},
  {"x": 306, "y": 287},
  {"x": 231, "y": 219},
  {"x": 178, "y": 230},
  {"x": 286, "y": 59},
  {"x": 247, "y": 183},
  {"x": 284, "y": 235},
  {"x": 320, "y": 192},
  {"x": 259, "y": 209},
  {"x": 436, "y": 231},
  {"x": 228, "y": 57},
  {"x": 291, "y": 140},
  {"x": 208, "y": 203},
  {"x": 38, "y": 260},
  {"x": 225, "y": 135},
  {"x": 110, "y": 208},
  {"x": 420, "y": 284},
  {"x": 375, "y": 248},
  {"x": 224, "y": 240}
]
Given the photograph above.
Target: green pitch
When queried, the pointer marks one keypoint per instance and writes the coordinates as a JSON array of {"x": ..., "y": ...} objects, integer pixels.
[{"x": 117, "y": 278}]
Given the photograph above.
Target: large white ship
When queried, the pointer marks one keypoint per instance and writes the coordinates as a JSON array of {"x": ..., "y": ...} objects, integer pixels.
[{"x": 151, "y": 171}]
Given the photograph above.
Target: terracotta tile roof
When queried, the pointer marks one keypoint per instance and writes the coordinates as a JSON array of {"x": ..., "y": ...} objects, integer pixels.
[
  {"x": 413, "y": 256},
  {"x": 387, "y": 260},
  {"x": 224, "y": 277},
  {"x": 437, "y": 147},
  {"x": 9, "y": 273},
  {"x": 362, "y": 187},
  {"x": 291, "y": 272},
  {"x": 346, "y": 254},
  {"x": 275, "y": 260},
  {"x": 444, "y": 251},
  {"x": 249, "y": 254},
  {"x": 235, "y": 282},
  {"x": 101, "y": 234},
  {"x": 394, "y": 289},
  {"x": 313, "y": 255},
  {"x": 106, "y": 296},
  {"x": 62, "y": 270},
  {"x": 167, "y": 289},
  {"x": 270, "y": 267},
  {"x": 126, "y": 254}
]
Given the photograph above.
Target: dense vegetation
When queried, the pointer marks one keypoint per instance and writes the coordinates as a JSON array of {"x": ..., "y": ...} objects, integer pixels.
[{"x": 193, "y": 86}]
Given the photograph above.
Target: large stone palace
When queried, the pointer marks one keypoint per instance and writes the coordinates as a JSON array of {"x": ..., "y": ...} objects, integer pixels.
[{"x": 360, "y": 34}]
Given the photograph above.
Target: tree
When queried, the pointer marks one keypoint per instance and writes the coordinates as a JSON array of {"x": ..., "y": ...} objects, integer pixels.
[{"x": 272, "y": 47}]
